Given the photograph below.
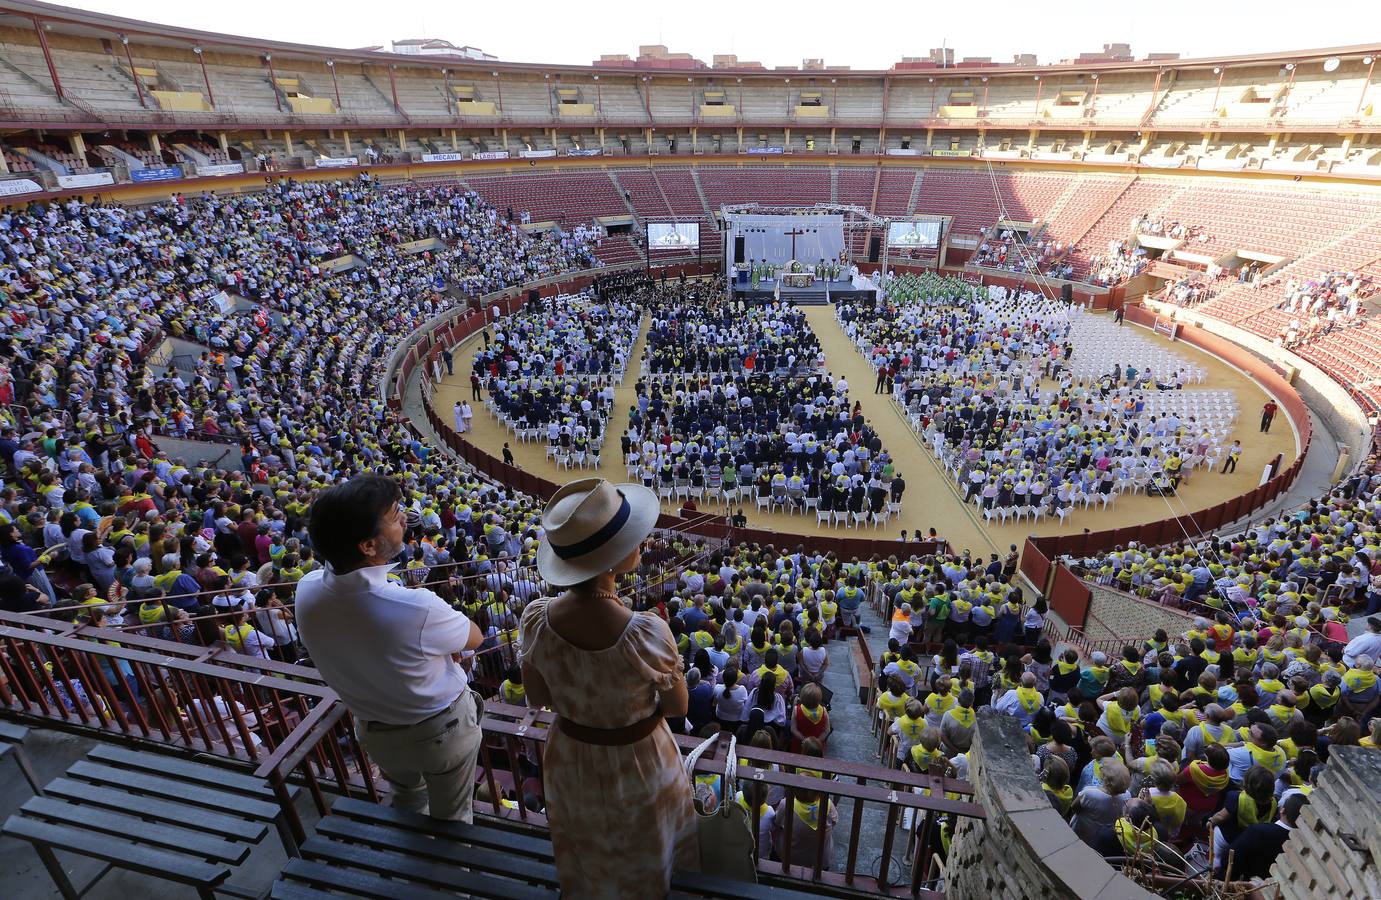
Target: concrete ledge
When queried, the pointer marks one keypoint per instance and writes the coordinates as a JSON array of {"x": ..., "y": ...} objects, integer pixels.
[{"x": 1024, "y": 848}]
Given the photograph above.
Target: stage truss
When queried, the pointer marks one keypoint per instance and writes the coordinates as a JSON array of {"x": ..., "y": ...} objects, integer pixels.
[{"x": 857, "y": 220}]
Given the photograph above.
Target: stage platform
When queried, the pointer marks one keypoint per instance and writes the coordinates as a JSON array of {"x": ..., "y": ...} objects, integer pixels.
[{"x": 818, "y": 294}]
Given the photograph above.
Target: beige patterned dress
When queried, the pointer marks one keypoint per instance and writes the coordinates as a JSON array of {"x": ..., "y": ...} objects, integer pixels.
[{"x": 621, "y": 817}]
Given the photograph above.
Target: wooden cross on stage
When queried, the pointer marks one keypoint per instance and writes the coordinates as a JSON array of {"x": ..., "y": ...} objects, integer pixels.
[{"x": 792, "y": 234}]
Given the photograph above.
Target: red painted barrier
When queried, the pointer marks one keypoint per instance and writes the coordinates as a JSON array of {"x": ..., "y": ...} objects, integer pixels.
[{"x": 1070, "y": 597}]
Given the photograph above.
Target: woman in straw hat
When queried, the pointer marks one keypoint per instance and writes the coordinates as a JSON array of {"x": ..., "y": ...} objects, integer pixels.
[{"x": 617, "y": 799}]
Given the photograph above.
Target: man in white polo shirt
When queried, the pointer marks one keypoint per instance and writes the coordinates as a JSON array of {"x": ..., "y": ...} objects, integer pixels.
[{"x": 392, "y": 653}]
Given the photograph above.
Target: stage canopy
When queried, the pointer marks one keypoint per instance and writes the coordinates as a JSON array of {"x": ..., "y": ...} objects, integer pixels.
[{"x": 769, "y": 238}]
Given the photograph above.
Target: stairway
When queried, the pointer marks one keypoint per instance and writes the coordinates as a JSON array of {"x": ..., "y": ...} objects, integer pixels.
[
  {"x": 700, "y": 191},
  {"x": 196, "y": 157},
  {"x": 671, "y": 211},
  {"x": 623, "y": 195},
  {"x": 812, "y": 297},
  {"x": 915, "y": 193}
]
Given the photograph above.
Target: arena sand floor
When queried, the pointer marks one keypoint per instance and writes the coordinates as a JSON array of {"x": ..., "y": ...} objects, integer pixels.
[{"x": 932, "y": 499}]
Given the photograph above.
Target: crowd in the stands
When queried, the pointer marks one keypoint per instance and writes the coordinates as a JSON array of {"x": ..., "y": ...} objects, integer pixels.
[
  {"x": 1016, "y": 252},
  {"x": 98, "y": 520},
  {"x": 1213, "y": 737},
  {"x": 1319, "y": 305}
]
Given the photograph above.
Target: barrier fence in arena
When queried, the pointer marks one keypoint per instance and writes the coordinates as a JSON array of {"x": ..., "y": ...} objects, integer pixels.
[{"x": 282, "y": 720}]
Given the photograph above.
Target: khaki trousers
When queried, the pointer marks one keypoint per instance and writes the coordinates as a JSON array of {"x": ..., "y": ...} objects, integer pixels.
[{"x": 430, "y": 766}]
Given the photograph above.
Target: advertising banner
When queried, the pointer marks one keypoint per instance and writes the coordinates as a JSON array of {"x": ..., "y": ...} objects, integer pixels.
[
  {"x": 328, "y": 162},
  {"x": 442, "y": 157},
  {"x": 155, "y": 173},
  {"x": 221, "y": 169},
  {"x": 536, "y": 154},
  {"x": 903, "y": 151},
  {"x": 90, "y": 179},
  {"x": 765, "y": 150},
  {"x": 490, "y": 154},
  {"x": 584, "y": 151},
  {"x": 942, "y": 151},
  {"x": 18, "y": 186}
]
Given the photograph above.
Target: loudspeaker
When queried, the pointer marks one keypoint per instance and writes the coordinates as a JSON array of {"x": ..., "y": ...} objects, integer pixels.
[
  {"x": 1067, "y": 293},
  {"x": 874, "y": 248},
  {"x": 738, "y": 249}
]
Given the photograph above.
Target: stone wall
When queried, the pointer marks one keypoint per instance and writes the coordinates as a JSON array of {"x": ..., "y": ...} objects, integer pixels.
[
  {"x": 1117, "y": 615},
  {"x": 1023, "y": 848},
  {"x": 1336, "y": 850}
]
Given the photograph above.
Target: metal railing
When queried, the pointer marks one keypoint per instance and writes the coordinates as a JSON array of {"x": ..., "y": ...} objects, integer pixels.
[{"x": 282, "y": 720}]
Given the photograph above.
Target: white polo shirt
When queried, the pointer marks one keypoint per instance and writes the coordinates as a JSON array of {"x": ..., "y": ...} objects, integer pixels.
[{"x": 384, "y": 648}]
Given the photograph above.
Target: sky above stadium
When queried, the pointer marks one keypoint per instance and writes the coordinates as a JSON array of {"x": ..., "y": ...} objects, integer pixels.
[{"x": 781, "y": 34}]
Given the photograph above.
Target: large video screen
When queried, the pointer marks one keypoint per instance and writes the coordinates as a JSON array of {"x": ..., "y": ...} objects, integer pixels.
[
  {"x": 673, "y": 235},
  {"x": 906, "y": 235}
]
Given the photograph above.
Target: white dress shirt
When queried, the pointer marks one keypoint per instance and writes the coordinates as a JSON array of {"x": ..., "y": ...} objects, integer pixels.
[{"x": 384, "y": 648}]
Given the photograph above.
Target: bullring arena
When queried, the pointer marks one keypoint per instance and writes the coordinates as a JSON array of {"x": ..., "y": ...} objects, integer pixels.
[{"x": 1010, "y": 428}]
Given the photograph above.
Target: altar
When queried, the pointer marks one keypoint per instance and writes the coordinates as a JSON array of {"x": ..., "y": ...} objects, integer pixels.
[{"x": 798, "y": 279}]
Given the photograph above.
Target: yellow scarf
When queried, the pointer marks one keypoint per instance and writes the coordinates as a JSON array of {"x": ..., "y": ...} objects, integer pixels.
[
  {"x": 910, "y": 728},
  {"x": 779, "y": 672},
  {"x": 1204, "y": 780},
  {"x": 1133, "y": 839},
  {"x": 814, "y": 715},
  {"x": 1249, "y": 814},
  {"x": 808, "y": 813},
  {"x": 923, "y": 757},
  {"x": 1273, "y": 759},
  {"x": 941, "y": 703},
  {"x": 743, "y": 802},
  {"x": 1119, "y": 719},
  {"x": 1222, "y": 738},
  {"x": 1359, "y": 681},
  {"x": 1029, "y": 699},
  {"x": 963, "y": 715},
  {"x": 1064, "y": 796},
  {"x": 1171, "y": 809}
]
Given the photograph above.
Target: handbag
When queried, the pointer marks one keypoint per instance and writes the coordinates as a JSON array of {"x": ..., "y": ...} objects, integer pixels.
[{"x": 724, "y": 829}]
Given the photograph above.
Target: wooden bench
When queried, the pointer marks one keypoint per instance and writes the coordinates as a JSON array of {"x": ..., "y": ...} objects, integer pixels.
[
  {"x": 366, "y": 850},
  {"x": 157, "y": 815},
  {"x": 861, "y": 660},
  {"x": 12, "y": 737}
]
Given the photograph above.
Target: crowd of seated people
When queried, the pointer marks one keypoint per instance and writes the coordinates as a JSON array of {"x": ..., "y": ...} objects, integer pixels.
[
  {"x": 793, "y": 441},
  {"x": 1190, "y": 290},
  {"x": 970, "y": 373},
  {"x": 1319, "y": 305},
  {"x": 695, "y": 330},
  {"x": 1123, "y": 260},
  {"x": 1015, "y": 252},
  {"x": 550, "y": 369},
  {"x": 97, "y": 522},
  {"x": 1185, "y": 741},
  {"x": 1180, "y": 231},
  {"x": 1288, "y": 564}
]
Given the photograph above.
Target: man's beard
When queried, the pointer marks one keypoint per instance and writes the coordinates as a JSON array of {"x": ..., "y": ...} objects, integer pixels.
[{"x": 389, "y": 552}]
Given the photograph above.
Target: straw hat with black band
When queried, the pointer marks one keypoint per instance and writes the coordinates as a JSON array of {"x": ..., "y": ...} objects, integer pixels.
[{"x": 590, "y": 526}]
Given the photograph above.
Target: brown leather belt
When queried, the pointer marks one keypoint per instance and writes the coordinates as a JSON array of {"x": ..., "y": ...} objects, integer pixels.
[{"x": 610, "y": 737}]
